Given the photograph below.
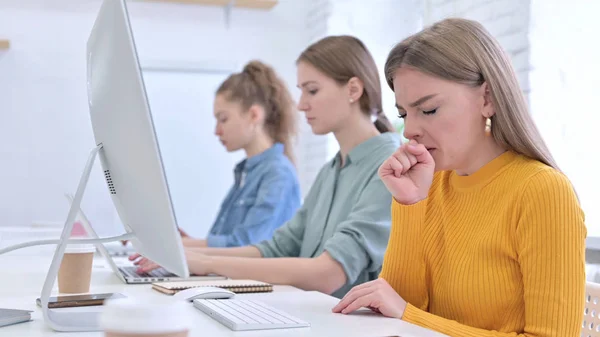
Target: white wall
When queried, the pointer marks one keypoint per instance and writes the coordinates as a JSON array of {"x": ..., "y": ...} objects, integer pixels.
[
  {"x": 395, "y": 20},
  {"x": 312, "y": 150},
  {"x": 380, "y": 24},
  {"x": 565, "y": 60},
  {"x": 45, "y": 132},
  {"x": 506, "y": 20},
  {"x": 197, "y": 168}
]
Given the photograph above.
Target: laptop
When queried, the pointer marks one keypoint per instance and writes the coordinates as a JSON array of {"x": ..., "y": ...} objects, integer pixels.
[{"x": 128, "y": 273}]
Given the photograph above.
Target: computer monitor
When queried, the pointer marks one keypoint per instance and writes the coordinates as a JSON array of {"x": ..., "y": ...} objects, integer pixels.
[{"x": 130, "y": 156}]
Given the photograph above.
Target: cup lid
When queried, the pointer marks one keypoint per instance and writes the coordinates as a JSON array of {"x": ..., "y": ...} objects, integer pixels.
[
  {"x": 80, "y": 248},
  {"x": 145, "y": 315}
]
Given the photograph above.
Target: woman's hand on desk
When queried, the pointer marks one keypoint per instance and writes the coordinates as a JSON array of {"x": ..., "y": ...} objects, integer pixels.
[{"x": 376, "y": 295}]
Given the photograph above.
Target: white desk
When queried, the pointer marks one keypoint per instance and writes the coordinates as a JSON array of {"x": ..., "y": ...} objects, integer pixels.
[{"x": 23, "y": 276}]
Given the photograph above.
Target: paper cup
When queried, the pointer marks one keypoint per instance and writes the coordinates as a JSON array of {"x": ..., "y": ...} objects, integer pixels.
[
  {"x": 130, "y": 317},
  {"x": 75, "y": 271}
]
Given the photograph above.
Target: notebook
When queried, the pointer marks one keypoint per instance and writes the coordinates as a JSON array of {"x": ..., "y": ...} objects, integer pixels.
[
  {"x": 236, "y": 286},
  {"x": 11, "y": 316}
]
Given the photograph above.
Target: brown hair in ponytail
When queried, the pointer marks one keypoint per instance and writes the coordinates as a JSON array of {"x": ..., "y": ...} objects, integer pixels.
[
  {"x": 344, "y": 57},
  {"x": 259, "y": 84}
]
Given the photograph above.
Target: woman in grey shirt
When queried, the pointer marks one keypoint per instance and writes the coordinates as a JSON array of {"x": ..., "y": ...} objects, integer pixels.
[{"x": 338, "y": 237}]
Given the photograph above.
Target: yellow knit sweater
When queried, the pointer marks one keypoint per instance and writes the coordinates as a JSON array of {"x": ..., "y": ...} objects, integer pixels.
[{"x": 497, "y": 253}]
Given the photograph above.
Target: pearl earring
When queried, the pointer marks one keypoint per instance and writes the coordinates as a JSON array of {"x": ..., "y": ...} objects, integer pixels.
[
  {"x": 488, "y": 126},
  {"x": 351, "y": 100}
]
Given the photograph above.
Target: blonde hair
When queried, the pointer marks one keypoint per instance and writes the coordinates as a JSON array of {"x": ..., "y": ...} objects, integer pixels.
[
  {"x": 344, "y": 57},
  {"x": 259, "y": 84},
  {"x": 462, "y": 51}
]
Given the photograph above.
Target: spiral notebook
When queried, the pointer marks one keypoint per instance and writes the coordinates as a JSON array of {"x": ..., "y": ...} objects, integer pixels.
[{"x": 236, "y": 286}]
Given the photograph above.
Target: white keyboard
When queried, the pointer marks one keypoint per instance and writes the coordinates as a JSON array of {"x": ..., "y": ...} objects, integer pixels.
[{"x": 239, "y": 315}]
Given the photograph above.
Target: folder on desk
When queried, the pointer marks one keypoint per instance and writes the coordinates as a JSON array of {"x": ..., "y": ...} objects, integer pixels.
[
  {"x": 236, "y": 286},
  {"x": 11, "y": 316}
]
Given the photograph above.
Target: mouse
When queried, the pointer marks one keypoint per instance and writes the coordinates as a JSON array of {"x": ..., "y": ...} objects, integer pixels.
[{"x": 203, "y": 293}]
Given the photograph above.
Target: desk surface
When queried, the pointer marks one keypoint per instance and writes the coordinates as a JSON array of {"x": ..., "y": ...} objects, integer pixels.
[{"x": 23, "y": 277}]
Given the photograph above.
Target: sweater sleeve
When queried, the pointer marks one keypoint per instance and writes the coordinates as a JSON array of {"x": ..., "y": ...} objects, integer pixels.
[
  {"x": 403, "y": 266},
  {"x": 550, "y": 239}
]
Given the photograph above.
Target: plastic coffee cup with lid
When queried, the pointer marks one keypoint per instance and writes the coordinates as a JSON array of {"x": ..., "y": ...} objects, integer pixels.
[
  {"x": 154, "y": 317},
  {"x": 75, "y": 272}
]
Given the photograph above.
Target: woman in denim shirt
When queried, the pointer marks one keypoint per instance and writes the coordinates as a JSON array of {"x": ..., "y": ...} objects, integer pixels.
[
  {"x": 338, "y": 237},
  {"x": 255, "y": 112}
]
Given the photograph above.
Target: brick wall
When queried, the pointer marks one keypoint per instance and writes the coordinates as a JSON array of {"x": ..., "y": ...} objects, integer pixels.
[
  {"x": 395, "y": 20},
  {"x": 507, "y": 20},
  {"x": 382, "y": 23},
  {"x": 312, "y": 149}
]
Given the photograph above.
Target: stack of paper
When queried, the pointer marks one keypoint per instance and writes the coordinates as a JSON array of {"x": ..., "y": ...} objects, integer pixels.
[{"x": 10, "y": 316}]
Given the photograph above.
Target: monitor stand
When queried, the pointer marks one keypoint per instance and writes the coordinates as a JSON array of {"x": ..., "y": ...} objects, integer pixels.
[{"x": 73, "y": 321}]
